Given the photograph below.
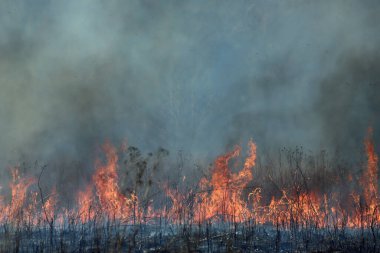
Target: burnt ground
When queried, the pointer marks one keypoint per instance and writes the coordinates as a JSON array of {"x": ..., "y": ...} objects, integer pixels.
[{"x": 165, "y": 237}]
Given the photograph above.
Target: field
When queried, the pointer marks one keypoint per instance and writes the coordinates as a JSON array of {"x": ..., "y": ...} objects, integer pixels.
[{"x": 301, "y": 203}]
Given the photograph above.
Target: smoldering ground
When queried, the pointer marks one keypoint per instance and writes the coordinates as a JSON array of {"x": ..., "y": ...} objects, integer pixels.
[{"x": 195, "y": 76}]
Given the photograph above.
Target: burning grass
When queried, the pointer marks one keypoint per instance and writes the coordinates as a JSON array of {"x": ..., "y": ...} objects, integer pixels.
[{"x": 239, "y": 206}]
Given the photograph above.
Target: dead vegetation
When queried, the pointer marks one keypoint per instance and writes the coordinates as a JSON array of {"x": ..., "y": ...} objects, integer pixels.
[{"x": 296, "y": 202}]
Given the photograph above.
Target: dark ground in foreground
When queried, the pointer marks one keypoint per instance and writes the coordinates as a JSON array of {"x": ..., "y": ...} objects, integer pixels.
[{"x": 186, "y": 238}]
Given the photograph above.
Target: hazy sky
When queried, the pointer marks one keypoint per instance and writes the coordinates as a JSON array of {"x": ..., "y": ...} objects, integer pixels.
[{"x": 194, "y": 75}]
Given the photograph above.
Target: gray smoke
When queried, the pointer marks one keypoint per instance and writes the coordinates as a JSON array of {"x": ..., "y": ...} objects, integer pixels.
[{"x": 192, "y": 75}]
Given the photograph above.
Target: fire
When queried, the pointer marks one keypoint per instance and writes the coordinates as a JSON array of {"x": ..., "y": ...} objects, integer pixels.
[
  {"x": 86, "y": 207},
  {"x": 113, "y": 203},
  {"x": 370, "y": 176},
  {"x": 180, "y": 209},
  {"x": 50, "y": 205},
  {"x": 19, "y": 187},
  {"x": 221, "y": 196},
  {"x": 369, "y": 182},
  {"x": 110, "y": 201},
  {"x": 226, "y": 195}
]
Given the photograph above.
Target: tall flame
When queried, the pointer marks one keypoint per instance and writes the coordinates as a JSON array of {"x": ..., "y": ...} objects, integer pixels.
[
  {"x": 19, "y": 187},
  {"x": 370, "y": 175},
  {"x": 112, "y": 202},
  {"x": 221, "y": 196}
]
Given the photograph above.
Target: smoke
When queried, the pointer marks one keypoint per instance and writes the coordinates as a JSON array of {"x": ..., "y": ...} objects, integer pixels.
[{"x": 186, "y": 75}]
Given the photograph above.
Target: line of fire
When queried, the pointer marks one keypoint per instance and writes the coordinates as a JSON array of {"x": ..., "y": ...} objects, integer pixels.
[{"x": 288, "y": 209}]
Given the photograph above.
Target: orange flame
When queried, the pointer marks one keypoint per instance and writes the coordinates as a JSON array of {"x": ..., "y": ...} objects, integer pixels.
[
  {"x": 370, "y": 176},
  {"x": 224, "y": 196},
  {"x": 220, "y": 197},
  {"x": 49, "y": 206},
  {"x": 86, "y": 205},
  {"x": 19, "y": 187},
  {"x": 111, "y": 202}
]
